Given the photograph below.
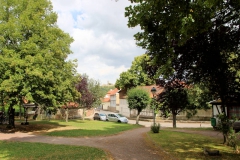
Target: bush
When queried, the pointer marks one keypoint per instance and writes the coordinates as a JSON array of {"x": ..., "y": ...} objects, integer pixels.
[
  {"x": 155, "y": 128},
  {"x": 232, "y": 139}
]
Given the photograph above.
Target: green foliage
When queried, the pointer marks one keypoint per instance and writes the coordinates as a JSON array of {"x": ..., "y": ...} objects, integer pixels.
[
  {"x": 136, "y": 75},
  {"x": 199, "y": 96},
  {"x": 174, "y": 99},
  {"x": 155, "y": 128},
  {"x": 126, "y": 80},
  {"x": 230, "y": 137},
  {"x": 90, "y": 91},
  {"x": 138, "y": 99},
  {"x": 178, "y": 97},
  {"x": 194, "y": 41},
  {"x": 233, "y": 60},
  {"x": 95, "y": 89},
  {"x": 225, "y": 123},
  {"x": 105, "y": 89},
  {"x": 233, "y": 139},
  {"x": 33, "y": 52},
  {"x": 154, "y": 104}
]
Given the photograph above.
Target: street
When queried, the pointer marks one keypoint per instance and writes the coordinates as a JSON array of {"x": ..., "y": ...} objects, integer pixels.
[
  {"x": 169, "y": 124},
  {"x": 189, "y": 124}
]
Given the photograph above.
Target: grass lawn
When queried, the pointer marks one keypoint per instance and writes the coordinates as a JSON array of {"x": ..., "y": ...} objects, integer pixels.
[
  {"x": 186, "y": 146},
  {"x": 86, "y": 128},
  {"x": 73, "y": 128},
  {"x": 177, "y": 145},
  {"x": 30, "y": 151}
]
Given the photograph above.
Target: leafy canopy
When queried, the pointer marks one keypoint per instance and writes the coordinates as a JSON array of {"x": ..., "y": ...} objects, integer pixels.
[
  {"x": 136, "y": 75},
  {"x": 138, "y": 99},
  {"x": 33, "y": 52},
  {"x": 192, "y": 41},
  {"x": 90, "y": 91}
]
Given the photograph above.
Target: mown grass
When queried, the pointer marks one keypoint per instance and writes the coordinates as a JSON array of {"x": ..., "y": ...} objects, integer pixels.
[
  {"x": 178, "y": 145},
  {"x": 31, "y": 151},
  {"x": 24, "y": 150},
  {"x": 91, "y": 128},
  {"x": 186, "y": 146}
]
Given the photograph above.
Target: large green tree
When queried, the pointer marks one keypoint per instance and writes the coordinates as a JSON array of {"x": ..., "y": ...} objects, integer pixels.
[
  {"x": 191, "y": 40},
  {"x": 178, "y": 97},
  {"x": 138, "y": 99},
  {"x": 195, "y": 41},
  {"x": 33, "y": 52},
  {"x": 174, "y": 99},
  {"x": 136, "y": 75}
]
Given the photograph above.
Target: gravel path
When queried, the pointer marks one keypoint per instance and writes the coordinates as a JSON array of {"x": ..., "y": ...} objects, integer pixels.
[{"x": 129, "y": 145}]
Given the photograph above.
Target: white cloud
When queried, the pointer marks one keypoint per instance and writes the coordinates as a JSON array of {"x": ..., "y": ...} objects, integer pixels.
[{"x": 103, "y": 44}]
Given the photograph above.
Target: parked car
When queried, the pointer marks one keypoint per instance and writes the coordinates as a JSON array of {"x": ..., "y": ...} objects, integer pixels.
[
  {"x": 100, "y": 116},
  {"x": 115, "y": 117}
]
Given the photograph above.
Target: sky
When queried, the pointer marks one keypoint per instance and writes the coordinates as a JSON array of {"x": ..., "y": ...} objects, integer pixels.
[{"x": 103, "y": 44}]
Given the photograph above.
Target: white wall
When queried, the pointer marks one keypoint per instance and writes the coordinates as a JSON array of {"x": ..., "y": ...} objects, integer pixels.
[
  {"x": 123, "y": 107},
  {"x": 106, "y": 105},
  {"x": 113, "y": 100}
]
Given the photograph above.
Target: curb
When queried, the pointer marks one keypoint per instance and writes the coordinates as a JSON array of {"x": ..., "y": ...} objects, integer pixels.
[{"x": 170, "y": 121}]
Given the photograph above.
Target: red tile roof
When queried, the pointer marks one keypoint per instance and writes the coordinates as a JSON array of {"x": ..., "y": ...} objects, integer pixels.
[
  {"x": 123, "y": 93},
  {"x": 109, "y": 93},
  {"x": 112, "y": 91}
]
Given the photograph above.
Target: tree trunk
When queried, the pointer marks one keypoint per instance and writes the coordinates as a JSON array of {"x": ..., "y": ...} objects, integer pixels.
[
  {"x": 11, "y": 113},
  {"x": 66, "y": 114},
  {"x": 224, "y": 122},
  {"x": 83, "y": 115},
  {"x": 174, "y": 120},
  {"x": 154, "y": 117},
  {"x": 225, "y": 130},
  {"x": 138, "y": 115},
  {"x": 225, "y": 141}
]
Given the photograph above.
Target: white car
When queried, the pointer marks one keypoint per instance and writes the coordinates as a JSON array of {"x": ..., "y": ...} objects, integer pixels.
[
  {"x": 100, "y": 116},
  {"x": 115, "y": 117}
]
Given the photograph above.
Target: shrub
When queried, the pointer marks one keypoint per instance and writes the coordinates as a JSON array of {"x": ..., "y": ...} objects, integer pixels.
[
  {"x": 232, "y": 139},
  {"x": 155, "y": 128}
]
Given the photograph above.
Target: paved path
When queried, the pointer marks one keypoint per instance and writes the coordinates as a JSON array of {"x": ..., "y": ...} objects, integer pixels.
[{"x": 129, "y": 145}]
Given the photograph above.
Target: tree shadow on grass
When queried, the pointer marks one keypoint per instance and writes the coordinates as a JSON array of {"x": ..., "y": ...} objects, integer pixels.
[
  {"x": 105, "y": 131},
  {"x": 31, "y": 127}
]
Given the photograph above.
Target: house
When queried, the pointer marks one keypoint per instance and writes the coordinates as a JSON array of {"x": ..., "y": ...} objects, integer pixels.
[
  {"x": 232, "y": 110},
  {"x": 111, "y": 100},
  {"x": 202, "y": 115},
  {"x": 123, "y": 104}
]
